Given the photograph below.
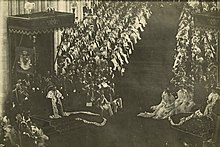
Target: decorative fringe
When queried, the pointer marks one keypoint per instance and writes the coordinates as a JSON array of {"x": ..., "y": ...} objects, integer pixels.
[
  {"x": 87, "y": 121},
  {"x": 93, "y": 123}
]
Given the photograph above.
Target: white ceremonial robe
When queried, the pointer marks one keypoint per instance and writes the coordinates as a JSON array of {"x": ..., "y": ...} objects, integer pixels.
[
  {"x": 55, "y": 97},
  {"x": 212, "y": 98},
  {"x": 115, "y": 63}
]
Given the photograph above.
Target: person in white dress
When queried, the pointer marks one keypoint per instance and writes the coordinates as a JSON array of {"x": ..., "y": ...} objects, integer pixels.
[
  {"x": 164, "y": 109},
  {"x": 212, "y": 98},
  {"x": 184, "y": 101}
]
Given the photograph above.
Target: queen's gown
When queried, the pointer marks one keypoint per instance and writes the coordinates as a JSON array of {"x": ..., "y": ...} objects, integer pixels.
[{"x": 162, "y": 110}]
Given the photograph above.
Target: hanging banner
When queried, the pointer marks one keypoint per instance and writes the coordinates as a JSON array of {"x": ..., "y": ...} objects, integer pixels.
[
  {"x": 207, "y": 20},
  {"x": 25, "y": 60}
]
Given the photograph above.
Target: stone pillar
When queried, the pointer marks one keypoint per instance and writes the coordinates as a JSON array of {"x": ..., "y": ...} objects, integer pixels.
[
  {"x": 78, "y": 6},
  {"x": 218, "y": 52},
  {"x": 59, "y": 6},
  {"x": 80, "y": 10},
  {"x": 218, "y": 61},
  {"x": 218, "y": 5},
  {"x": 4, "y": 54}
]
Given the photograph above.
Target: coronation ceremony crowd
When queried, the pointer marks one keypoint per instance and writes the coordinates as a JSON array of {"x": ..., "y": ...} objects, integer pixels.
[
  {"x": 96, "y": 53},
  {"x": 194, "y": 63},
  {"x": 92, "y": 58}
]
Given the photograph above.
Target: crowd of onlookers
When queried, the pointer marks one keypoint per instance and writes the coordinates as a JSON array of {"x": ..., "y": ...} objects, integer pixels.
[
  {"x": 17, "y": 128},
  {"x": 94, "y": 53},
  {"x": 194, "y": 59},
  {"x": 194, "y": 62},
  {"x": 21, "y": 132}
]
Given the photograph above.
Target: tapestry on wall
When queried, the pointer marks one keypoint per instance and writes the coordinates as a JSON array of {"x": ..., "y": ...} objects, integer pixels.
[{"x": 25, "y": 60}]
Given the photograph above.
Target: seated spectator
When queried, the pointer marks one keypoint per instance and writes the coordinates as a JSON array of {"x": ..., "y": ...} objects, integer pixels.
[
  {"x": 9, "y": 133},
  {"x": 40, "y": 137},
  {"x": 212, "y": 98},
  {"x": 116, "y": 104},
  {"x": 29, "y": 129},
  {"x": 164, "y": 109},
  {"x": 184, "y": 101},
  {"x": 104, "y": 105}
]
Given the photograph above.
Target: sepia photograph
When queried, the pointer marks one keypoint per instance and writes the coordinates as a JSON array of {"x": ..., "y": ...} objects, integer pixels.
[{"x": 109, "y": 73}]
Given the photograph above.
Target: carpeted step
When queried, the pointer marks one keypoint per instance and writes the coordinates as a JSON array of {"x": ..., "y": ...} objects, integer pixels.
[
  {"x": 49, "y": 130},
  {"x": 44, "y": 124},
  {"x": 70, "y": 127},
  {"x": 41, "y": 122}
]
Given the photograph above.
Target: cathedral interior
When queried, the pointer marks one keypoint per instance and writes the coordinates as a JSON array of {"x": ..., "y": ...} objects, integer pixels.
[{"x": 93, "y": 73}]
